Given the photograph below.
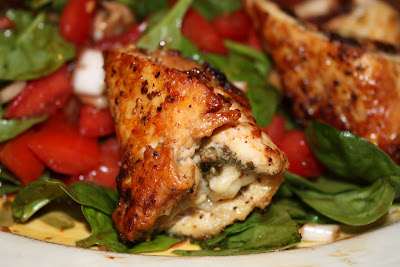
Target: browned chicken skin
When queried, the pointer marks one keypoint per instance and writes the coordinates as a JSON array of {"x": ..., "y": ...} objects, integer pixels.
[
  {"x": 163, "y": 116},
  {"x": 352, "y": 85}
]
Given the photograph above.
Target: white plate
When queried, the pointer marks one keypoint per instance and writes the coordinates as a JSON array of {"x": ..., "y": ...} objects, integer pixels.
[{"x": 380, "y": 247}]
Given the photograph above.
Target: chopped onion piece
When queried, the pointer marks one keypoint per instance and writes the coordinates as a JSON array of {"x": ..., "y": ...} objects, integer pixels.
[
  {"x": 315, "y": 8},
  {"x": 319, "y": 232},
  {"x": 111, "y": 19},
  {"x": 100, "y": 102},
  {"x": 243, "y": 86},
  {"x": 275, "y": 79},
  {"x": 88, "y": 76},
  {"x": 9, "y": 92}
]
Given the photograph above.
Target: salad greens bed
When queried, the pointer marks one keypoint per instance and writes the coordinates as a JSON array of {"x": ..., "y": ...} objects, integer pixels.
[{"x": 358, "y": 188}]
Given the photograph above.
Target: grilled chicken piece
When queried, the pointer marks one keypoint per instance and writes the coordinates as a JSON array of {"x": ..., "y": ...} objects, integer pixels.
[
  {"x": 352, "y": 85},
  {"x": 194, "y": 160},
  {"x": 369, "y": 19}
]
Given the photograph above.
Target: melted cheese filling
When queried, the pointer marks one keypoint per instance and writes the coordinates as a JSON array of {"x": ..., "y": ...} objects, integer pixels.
[{"x": 220, "y": 181}]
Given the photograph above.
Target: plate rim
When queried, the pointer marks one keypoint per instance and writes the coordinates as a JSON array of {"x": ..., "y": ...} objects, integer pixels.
[{"x": 372, "y": 247}]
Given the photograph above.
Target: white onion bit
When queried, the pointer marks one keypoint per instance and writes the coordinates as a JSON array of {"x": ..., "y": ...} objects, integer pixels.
[
  {"x": 242, "y": 85},
  {"x": 88, "y": 76},
  {"x": 9, "y": 92},
  {"x": 100, "y": 102},
  {"x": 319, "y": 232}
]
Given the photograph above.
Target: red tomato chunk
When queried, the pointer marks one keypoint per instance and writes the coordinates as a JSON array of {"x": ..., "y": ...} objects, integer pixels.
[
  {"x": 19, "y": 159},
  {"x": 198, "y": 30},
  {"x": 128, "y": 37},
  {"x": 276, "y": 129},
  {"x": 42, "y": 96},
  {"x": 60, "y": 146},
  {"x": 76, "y": 20},
  {"x": 235, "y": 26},
  {"x": 293, "y": 143},
  {"x": 302, "y": 160},
  {"x": 108, "y": 169},
  {"x": 95, "y": 122},
  {"x": 254, "y": 40}
]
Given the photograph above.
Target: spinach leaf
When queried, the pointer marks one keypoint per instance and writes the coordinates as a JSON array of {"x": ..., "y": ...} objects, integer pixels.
[
  {"x": 167, "y": 32},
  {"x": 32, "y": 49},
  {"x": 94, "y": 195},
  {"x": 57, "y": 5},
  {"x": 158, "y": 243},
  {"x": 35, "y": 4},
  {"x": 208, "y": 8},
  {"x": 264, "y": 101},
  {"x": 143, "y": 8},
  {"x": 97, "y": 202},
  {"x": 34, "y": 196},
  {"x": 299, "y": 211},
  {"x": 104, "y": 234},
  {"x": 366, "y": 178},
  {"x": 41, "y": 192},
  {"x": 321, "y": 184},
  {"x": 8, "y": 182},
  {"x": 213, "y": 8},
  {"x": 350, "y": 156},
  {"x": 11, "y": 128},
  {"x": 260, "y": 232},
  {"x": 356, "y": 207}
]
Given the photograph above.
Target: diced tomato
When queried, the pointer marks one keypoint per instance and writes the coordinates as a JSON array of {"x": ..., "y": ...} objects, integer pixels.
[
  {"x": 5, "y": 23},
  {"x": 276, "y": 129},
  {"x": 107, "y": 171},
  {"x": 301, "y": 159},
  {"x": 235, "y": 26},
  {"x": 95, "y": 122},
  {"x": 128, "y": 37},
  {"x": 254, "y": 41},
  {"x": 42, "y": 96},
  {"x": 198, "y": 30},
  {"x": 60, "y": 146},
  {"x": 19, "y": 159},
  {"x": 76, "y": 20}
]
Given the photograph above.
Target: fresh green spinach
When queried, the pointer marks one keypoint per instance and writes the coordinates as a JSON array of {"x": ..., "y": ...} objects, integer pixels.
[
  {"x": 53, "y": 5},
  {"x": 143, "y": 9},
  {"x": 208, "y": 8},
  {"x": 97, "y": 204},
  {"x": 260, "y": 232},
  {"x": 353, "y": 206},
  {"x": 8, "y": 182},
  {"x": 41, "y": 192},
  {"x": 33, "y": 48},
  {"x": 362, "y": 180},
  {"x": 11, "y": 128},
  {"x": 167, "y": 32},
  {"x": 349, "y": 156},
  {"x": 104, "y": 234},
  {"x": 299, "y": 211},
  {"x": 323, "y": 184},
  {"x": 213, "y": 8}
]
